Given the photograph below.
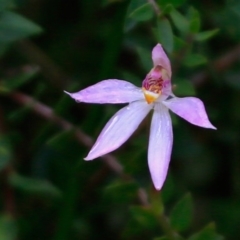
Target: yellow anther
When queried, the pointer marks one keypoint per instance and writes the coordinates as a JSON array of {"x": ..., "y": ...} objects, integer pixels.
[{"x": 150, "y": 96}]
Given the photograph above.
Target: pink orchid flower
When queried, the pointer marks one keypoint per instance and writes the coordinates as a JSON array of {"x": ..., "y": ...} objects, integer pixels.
[{"x": 155, "y": 94}]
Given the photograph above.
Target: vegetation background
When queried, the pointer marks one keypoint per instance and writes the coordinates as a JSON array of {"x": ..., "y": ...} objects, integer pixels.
[{"x": 47, "y": 190}]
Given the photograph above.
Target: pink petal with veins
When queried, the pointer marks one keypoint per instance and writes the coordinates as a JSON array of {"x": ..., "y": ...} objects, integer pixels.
[
  {"x": 160, "y": 145},
  {"x": 109, "y": 91},
  {"x": 119, "y": 128},
  {"x": 191, "y": 109}
]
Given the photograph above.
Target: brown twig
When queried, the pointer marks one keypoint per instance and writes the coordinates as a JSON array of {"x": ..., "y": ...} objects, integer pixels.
[
  {"x": 47, "y": 113},
  {"x": 219, "y": 65}
]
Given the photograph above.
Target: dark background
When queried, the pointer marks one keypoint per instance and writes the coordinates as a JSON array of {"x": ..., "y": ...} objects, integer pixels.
[{"x": 47, "y": 190}]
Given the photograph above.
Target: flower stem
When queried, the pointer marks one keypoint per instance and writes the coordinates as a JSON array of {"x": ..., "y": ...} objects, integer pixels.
[{"x": 166, "y": 227}]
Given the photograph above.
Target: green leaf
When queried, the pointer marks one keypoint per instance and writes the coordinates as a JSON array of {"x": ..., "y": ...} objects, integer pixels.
[
  {"x": 183, "y": 87},
  {"x": 181, "y": 22},
  {"x": 33, "y": 186},
  {"x": 143, "y": 13},
  {"x": 208, "y": 233},
  {"x": 164, "y": 34},
  {"x": 144, "y": 217},
  {"x": 195, "y": 21},
  {"x": 193, "y": 60},
  {"x": 194, "y": 25},
  {"x": 8, "y": 228},
  {"x": 145, "y": 58},
  {"x": 167, "y": 9},
  {"x": 120, "y": 192},
  {"x": 134, "y": 4},
  {"x": 203, "y": 36},
  {"x": 179, "y": 43},
  {"x": 14, "y": 27},
  {"x": 5, "y": 152},
  {"x": 175, "y": 3},
  {"x": 130, "y": 22},
  {"x": 181, "y": 214}
]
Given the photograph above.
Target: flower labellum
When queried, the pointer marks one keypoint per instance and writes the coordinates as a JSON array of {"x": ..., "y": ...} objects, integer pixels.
[{"x": 155, "y": 94}]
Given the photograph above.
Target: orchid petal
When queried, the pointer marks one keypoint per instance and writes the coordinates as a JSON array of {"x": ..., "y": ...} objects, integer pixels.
[
  {"x": 160, "y": 145},
  {"x": 191, "y": 109},
  {"x": 119, "y": 128},
  {"x": 109, "y": 91},
  {"x": 160, "y": 58}
]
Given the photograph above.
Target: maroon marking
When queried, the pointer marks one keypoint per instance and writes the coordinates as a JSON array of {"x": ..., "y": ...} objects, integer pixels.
[{"x": 154, "y": 81}]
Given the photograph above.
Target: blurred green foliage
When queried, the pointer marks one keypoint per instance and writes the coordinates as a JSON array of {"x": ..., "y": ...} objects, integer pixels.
[{"x": 47, "y": 190}]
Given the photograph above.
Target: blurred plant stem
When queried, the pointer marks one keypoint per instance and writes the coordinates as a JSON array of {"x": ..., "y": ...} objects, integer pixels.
[
  {"x": 221, "y": 64},
  {"x": 166, "y": 227},
  {"x": 112, "y": 163}
]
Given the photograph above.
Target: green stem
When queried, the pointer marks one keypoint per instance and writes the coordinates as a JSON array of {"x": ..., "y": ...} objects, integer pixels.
[
  {"x": 162, "y": 219},
  {"x": 166, "y": 227}
]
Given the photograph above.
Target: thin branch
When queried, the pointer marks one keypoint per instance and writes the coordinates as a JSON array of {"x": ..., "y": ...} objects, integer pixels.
[
  {"x": 47, "y": 113},
  {"x": 219, "y": 65},
  {"x": 155, "y": 7}
]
